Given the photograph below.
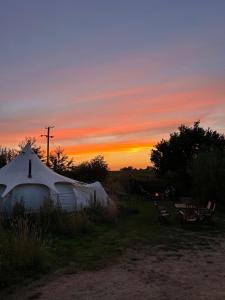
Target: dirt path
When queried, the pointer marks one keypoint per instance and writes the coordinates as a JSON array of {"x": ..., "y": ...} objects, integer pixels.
[{"x": 147, "y": 274}]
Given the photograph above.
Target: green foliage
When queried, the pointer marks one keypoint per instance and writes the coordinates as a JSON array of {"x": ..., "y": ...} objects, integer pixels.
[{"x": 208, "y": 175}]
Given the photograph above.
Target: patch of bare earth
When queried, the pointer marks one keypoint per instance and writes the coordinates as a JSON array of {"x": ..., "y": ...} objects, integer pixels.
[{"x": 143, "y": 274}]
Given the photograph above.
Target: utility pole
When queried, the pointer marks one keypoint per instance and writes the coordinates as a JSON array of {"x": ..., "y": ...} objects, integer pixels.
[{"x": 48, "y": 137}]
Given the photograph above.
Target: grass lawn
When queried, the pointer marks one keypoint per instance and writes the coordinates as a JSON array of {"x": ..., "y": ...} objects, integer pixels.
[{"x": 140, "y": 226}]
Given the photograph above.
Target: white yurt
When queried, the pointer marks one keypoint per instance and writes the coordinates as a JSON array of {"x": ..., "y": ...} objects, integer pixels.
[{"x": 29, "y": 180}]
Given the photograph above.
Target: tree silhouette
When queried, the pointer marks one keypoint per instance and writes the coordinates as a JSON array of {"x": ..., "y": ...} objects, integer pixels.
[
  {"x": 208, "y": 175},
  {"x": 59, "y": 161},
  {"x": 33, "y": 143},
  {"x": 90, "y": 171},
  {"x": 176, "y": 153},
  {"x": 6, "y": 155},
  {"x": 173, "y": 157}
]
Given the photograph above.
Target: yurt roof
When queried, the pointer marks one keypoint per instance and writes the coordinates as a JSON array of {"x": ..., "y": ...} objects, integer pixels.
[{"x": 27, "y": 168}]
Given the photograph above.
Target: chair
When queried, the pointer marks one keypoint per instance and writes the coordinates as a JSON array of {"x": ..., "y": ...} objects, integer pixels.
[
  {"x": 188, "y": 215},
  {"x": 180, "y": 205},
  {"x": 209, "y": 205},
  {"x": 206, "y": 214},
  {"x": 214, "y": 207},
  {"x": 164, "y": 215}
]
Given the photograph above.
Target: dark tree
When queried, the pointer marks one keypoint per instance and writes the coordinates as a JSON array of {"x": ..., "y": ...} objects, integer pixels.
[
  {"x": 6, "y": 155},
  {"x": 176, "y": 153},
  {"x": 174, "y": 156},
  {"x": 59, "y": 161},
  {"x": 99, "y": 168},
  {"x": 90, "y": 171},
  {"x": 33, "y": 142},
  {"x": 208, "y": 175},
  {"x": 128, "y": 169}
]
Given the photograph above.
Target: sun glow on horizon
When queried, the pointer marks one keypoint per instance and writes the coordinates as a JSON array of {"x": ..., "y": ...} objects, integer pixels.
[{"x": 137, "y": 157}]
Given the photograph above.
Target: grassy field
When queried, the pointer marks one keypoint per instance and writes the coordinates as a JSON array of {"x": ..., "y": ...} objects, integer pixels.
[{"x": 136, "y": 226}]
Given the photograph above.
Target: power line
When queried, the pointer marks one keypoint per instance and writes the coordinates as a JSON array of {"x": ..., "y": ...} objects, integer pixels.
[{"x": 48, "y": 137}]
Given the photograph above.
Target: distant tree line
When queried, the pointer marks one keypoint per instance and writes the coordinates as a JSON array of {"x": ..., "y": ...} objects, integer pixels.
[{"x": 89, "y": 171}]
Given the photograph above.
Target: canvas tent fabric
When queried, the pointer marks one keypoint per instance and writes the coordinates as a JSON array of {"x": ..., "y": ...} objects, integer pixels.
[
  {"x": 88, "y": 192},
  {"x": 28, "y": 179}
]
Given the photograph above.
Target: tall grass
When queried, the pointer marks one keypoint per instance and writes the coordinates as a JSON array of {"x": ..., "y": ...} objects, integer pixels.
[
  {"x": 26, "y": 239},
  {"x": 22, "y": 250},
  {"x": 54, "y": 220},
  {"x": 99, "y": 212},
  {"x": 50, "y": 218},
  {"x": 77, "y": 223}
]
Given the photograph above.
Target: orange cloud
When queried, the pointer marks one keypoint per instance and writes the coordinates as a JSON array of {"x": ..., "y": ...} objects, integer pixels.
[{"x": 120, "y": 121}]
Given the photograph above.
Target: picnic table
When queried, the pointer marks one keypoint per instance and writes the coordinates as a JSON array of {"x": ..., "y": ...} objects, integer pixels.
[
  {"x": 180, "y": 205},
  {"x": 191, "y": 213}
]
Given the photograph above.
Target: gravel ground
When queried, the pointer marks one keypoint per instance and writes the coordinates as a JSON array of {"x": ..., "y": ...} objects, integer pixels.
[{"x": 146, "y": 274}]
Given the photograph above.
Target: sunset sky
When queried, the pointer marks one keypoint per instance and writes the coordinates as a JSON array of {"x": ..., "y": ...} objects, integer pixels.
[{"x": 113, "y": 77}]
